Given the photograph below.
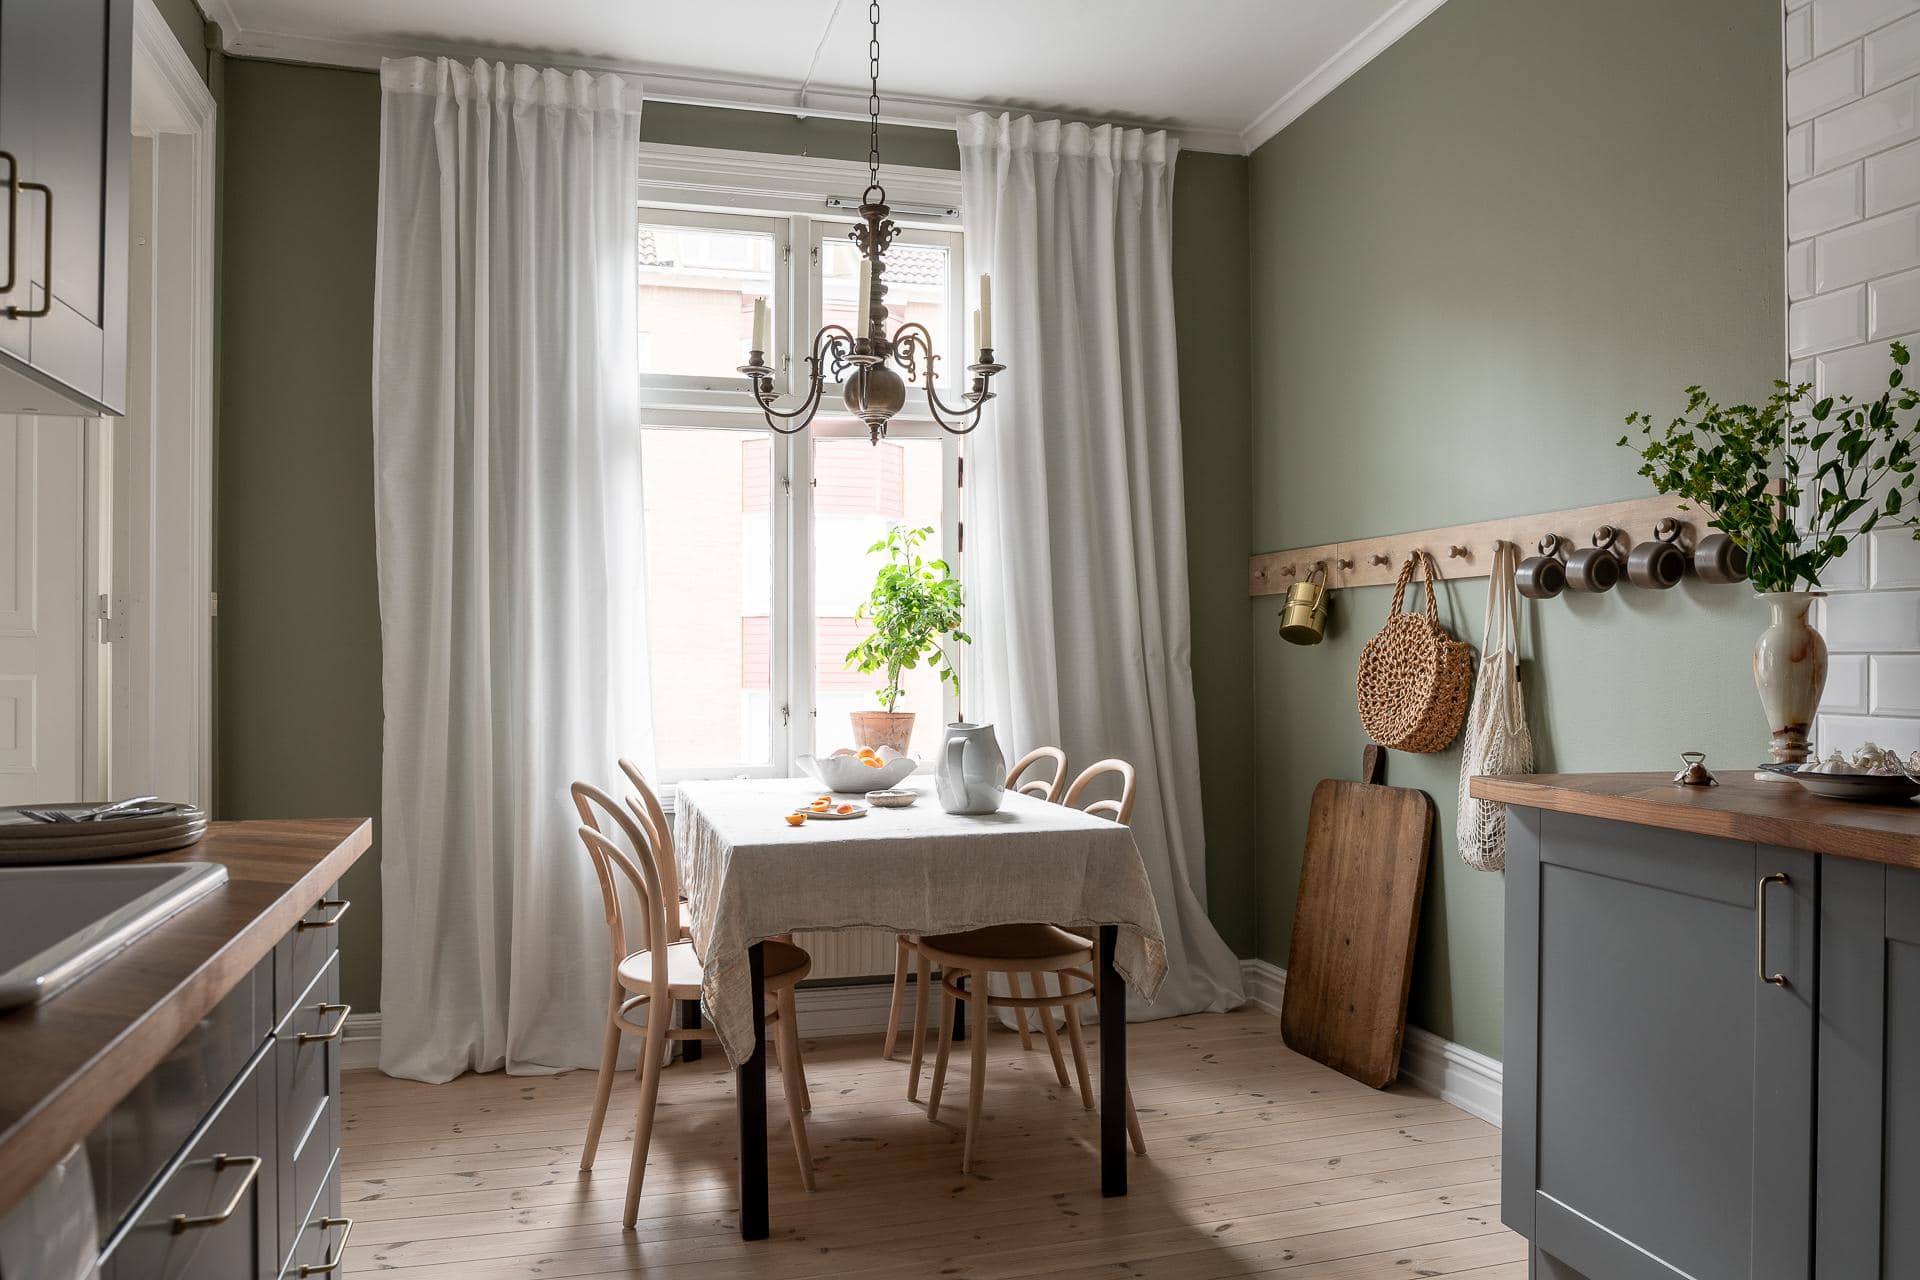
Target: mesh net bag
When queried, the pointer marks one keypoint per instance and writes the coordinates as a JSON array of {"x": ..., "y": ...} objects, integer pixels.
[{"x": 1497, "y": 737}]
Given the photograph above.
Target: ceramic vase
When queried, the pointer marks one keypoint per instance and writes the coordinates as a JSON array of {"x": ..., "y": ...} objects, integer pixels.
[
  {"x": 1790, "y": 670},
  {"x": 971, "y": 776}
]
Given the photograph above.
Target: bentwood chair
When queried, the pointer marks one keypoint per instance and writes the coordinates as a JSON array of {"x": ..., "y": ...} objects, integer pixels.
[
  {"x": 1032, "y": 952},
  {"x": 904, "y": 947},
  {"x": 651, "y": 977}
]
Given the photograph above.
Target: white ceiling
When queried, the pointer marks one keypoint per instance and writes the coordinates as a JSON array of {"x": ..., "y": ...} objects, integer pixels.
[{"x": 1227, "y": 74}]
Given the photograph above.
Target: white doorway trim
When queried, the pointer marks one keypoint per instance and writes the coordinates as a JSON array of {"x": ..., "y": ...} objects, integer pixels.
[{"x": 172, "y": 106}]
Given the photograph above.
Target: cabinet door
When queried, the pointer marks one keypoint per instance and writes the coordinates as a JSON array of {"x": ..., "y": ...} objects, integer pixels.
[
  {"x": 1659, "y": 1092},
  {"x": 1868, "y": 1149},
  {"x": 65, "y": 86}
]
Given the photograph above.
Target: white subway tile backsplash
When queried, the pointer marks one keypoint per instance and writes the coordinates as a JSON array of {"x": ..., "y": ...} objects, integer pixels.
[
  {"x": 1860, "y": 372},
  {"x": 1824, "y": 83},
  {"x": 1895, "y": 558},
  {"x": 1866, "y": 250},
  {"x": 1893, "y": 53},
  {"x": 1822, "y": 204},
  {"x": 1837, "y": 21},
  {"x": 1850, "y": 733},
  {"x": 1846, "y": 689},
  {"x": 1800, "y": 270},
  {"x": 1799, "y": 152},
  {"x": 1893, "y": 305},
  {"x": 1893, "y": 177},
  {"x": 1799, "y": 37},
  {"x": 1828, "y": 322},
  {"x": 1896, "y": 686},
  {"x": 1848, "y": 572},
  {"x": 1874, "y": 123},
  {"x": 1873, "y": 622}
]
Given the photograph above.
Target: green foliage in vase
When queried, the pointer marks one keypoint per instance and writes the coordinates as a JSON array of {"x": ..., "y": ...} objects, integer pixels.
[
  {"x": 914, "y": 609},
  {"x": 1842, "y": 468}
]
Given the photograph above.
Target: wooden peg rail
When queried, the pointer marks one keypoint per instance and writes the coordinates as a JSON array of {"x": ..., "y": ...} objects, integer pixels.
[{"x": 1466, "y": 550}]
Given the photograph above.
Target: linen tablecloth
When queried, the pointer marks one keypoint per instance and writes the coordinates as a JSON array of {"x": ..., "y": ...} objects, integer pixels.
[{"x": 749, "y": 876}]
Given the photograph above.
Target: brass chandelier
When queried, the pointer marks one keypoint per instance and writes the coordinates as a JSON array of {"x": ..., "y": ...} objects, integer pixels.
[{"x": 873, "y": 392}]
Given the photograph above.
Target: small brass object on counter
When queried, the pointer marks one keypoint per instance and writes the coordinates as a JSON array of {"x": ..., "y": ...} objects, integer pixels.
[{"x": 1695, "y": 774}]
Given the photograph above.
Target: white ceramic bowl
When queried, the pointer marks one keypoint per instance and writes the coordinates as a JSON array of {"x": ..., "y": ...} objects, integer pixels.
[{"x": 848, "y": 776}]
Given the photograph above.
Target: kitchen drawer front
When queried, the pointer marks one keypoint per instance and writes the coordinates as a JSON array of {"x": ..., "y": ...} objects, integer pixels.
[
  {"x": 302, "y": 954},
  {"x": 146, "y": 1130},
  {"x": 307, "y": 1092},
  {"x": 323, "y": 1233},
  {"x": 212, "y": 1215}
]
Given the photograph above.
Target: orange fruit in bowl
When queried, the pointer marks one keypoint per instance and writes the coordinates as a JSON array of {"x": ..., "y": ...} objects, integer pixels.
[
  {"x": 873, "y": 762},
  {"x": 796, "y": 819}
]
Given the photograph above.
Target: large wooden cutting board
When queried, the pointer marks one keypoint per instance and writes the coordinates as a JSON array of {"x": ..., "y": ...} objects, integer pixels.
[{"x": 1351, "y": 962}]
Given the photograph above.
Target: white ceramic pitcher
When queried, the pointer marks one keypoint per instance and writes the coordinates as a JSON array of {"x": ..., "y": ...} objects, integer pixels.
[{"x": 972, "y": 776}]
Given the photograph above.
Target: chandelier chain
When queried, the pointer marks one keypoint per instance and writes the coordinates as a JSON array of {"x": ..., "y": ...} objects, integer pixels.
[{"x": 873, "y": 95}]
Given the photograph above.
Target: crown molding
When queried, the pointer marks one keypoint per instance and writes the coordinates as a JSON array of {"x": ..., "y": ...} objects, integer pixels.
[
  {"x": 167, "y": 91},
  {"x": 1335, "y": 71},
  {"x": 677, "y": 85}
]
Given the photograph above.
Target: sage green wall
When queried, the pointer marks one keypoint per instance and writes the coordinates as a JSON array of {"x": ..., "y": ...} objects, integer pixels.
[
  {"x": 1469, "y": 261},
  {"x": 299, "y": 628},
  {"x": 189, "y": 28}
]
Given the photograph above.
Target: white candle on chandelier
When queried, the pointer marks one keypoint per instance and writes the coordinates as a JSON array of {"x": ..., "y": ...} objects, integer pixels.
[
  {"x": 760, "y": 326},
  {"x": 865, "y": 305},
  {"x": 976, "y": 327},
  {"x": 983, "y": 327}
]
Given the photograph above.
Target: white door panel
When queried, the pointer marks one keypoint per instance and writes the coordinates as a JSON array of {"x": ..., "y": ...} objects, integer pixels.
[{"x": 43, "y": 642}]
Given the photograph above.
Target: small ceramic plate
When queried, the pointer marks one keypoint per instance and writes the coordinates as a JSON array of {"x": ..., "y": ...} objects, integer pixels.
[
  {"x": 859, "y": 811},
  {"x": 1868, "y": 788},
  {"x": 893, "y": 799}
]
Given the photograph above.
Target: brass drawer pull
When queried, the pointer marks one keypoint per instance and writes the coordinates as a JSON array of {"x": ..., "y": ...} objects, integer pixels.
[
  {"x": 339, "y": 1027},
  {"x": 1760, "y": 929},
  {"x": 46, "y": 284},
  {"x": 181, "y": 1222},
  {"x": 339, "y": 905},
  {"x": 339, "y": 1250}
]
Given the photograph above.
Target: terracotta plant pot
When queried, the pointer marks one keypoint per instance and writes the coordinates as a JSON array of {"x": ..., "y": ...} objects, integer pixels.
[{"x": 878, "y": 729}]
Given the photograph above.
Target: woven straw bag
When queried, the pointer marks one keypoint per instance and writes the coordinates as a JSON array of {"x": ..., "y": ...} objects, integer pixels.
[
  {"x": 1414, "y": 677},
  {"x": 1498, "y": 740}
]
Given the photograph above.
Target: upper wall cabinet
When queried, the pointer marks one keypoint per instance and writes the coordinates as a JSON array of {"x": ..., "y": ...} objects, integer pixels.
[{"x": 65, "y": 86}]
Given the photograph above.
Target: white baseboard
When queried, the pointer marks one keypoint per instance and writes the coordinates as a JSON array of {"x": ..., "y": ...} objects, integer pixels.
[{"x": 1456, "y": 1074}]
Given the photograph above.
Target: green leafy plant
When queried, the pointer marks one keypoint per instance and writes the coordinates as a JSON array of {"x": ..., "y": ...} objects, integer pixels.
[
  {"x": 914, "y": 609},
  {"x": 1793, "y": 481}
]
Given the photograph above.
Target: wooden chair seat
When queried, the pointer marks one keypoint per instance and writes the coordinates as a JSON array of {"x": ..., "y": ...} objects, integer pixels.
[
  {"x": 1004, "y": 948},
  {"x": 786, "y": 966}
]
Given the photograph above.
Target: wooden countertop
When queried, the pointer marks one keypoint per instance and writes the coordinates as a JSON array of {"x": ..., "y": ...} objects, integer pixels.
[
  {"x": 69, "y": 1061},
  {"x": 1740, "y": 808}
]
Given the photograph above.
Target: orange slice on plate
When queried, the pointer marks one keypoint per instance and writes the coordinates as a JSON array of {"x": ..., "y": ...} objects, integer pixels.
[{"x": 845, "y": 808}]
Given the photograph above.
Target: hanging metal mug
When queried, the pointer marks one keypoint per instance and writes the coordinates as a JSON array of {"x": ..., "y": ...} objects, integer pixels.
[
  {"x": 1303, "y": 620},
  {"x": 1661, "y": 563},
  {"x": 1596, "y": 568},
  {"x": 1544, "y": 576},
  {"x": 1719, "y": 558}
]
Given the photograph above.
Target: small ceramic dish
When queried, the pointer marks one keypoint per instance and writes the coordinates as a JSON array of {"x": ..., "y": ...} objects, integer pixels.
[
  {"x": 1867, "y": 788},
  {"x": 895, "y": 798},
  {"x": 832, "y": 815}
]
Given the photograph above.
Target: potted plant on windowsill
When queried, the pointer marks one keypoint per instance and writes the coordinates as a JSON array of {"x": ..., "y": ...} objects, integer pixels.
[
  {"x": 1793, "y": 482},
  {"x": 914, "y": 611}
]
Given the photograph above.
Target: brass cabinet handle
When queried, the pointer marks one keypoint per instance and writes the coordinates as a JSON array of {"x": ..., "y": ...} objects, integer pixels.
[
  {"x": 339, "y": 1250},
  {"x": 13, "y": 218},
  {"x": 1760, "y": 929},
  {"x": 309, "y": 1037},
  {"x": 181, "y": 1222},
  {"x": 46, "y": 284},
  {"x": 339, "y": 905}
]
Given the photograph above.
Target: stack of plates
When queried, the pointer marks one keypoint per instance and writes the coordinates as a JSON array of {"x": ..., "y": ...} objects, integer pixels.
[{"x": 24, "y": 841}]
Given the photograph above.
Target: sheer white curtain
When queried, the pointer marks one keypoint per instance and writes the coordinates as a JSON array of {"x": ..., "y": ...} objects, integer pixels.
[
  {"x": 508, "y": 520},
  {"x": 1077, "y": 553}
]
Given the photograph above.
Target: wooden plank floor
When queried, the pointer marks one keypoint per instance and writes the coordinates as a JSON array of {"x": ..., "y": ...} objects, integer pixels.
[{"x": 1259, "y": 1162}]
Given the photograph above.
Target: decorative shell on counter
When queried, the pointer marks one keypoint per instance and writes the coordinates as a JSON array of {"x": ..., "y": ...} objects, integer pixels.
[{"x": 1871, "y": 760}]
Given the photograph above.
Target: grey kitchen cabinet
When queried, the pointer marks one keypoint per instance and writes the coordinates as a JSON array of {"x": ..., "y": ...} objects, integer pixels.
[
  {"x": 65, "y": 123},
  {"x": 1659, "y": 1091},
  {"x": 1868, "y": 1134}
]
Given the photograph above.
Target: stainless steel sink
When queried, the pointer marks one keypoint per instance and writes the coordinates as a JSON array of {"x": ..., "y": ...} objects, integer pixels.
[{"x": 58, "y": 923}]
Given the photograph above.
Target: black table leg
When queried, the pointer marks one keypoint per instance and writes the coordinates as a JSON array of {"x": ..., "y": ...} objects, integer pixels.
[
  {"x": 750, "y": 1099},
  {"x": 1113, "y": 1069},
  {"x": 690, "y": 1021}
]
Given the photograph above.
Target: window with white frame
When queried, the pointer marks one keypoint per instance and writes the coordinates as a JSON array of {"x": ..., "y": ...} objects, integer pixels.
[{"x": 758, "y": 543}]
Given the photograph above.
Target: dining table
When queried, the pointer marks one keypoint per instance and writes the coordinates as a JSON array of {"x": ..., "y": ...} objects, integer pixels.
[{"x": 750, "y": 875}]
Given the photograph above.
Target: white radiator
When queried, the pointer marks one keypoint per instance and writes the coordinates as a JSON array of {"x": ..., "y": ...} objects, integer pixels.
[{"x": 856, "y": 953}]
